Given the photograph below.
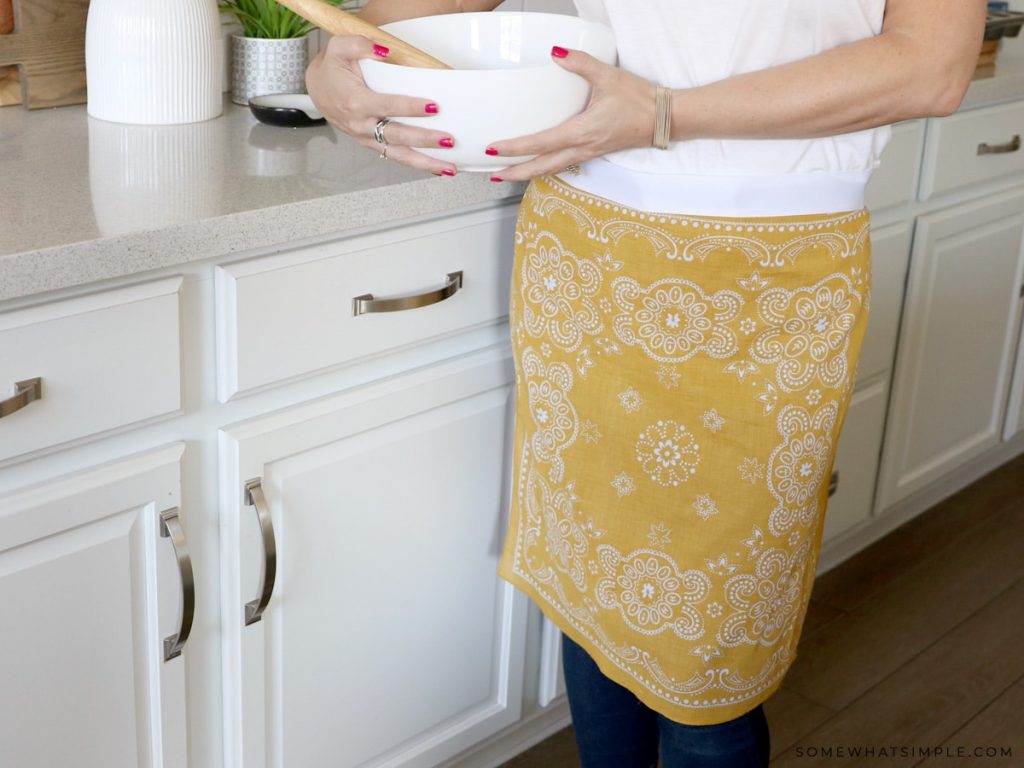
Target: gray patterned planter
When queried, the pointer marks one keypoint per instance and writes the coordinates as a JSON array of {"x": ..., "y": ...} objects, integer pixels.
[{"x": 260, "y": 66}]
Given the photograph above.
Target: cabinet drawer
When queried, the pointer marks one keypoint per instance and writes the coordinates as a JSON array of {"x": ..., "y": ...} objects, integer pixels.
[
  {"x": 895, "y": 181},
  {"x": 973, "y": 146},
  {"x": 286, "y": 315},
  {"x": 104, "y": 361}
]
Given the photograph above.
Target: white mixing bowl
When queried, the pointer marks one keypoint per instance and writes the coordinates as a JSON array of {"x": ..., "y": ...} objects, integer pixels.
[{"x": 503, "y": 83}]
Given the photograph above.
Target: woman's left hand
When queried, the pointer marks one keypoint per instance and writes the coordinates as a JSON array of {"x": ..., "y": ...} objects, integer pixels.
[{"x": 619, "y": 115}]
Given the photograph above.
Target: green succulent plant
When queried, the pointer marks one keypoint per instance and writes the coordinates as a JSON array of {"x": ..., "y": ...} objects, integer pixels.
[{"x": 270, "y": 19}]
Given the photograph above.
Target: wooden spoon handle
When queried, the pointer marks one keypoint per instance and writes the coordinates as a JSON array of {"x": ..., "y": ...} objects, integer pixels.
[{"x": 339, "y": 22}]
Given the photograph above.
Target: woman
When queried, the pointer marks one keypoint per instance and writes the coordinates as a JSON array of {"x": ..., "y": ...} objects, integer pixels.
[{"x": 689, "y": 297}]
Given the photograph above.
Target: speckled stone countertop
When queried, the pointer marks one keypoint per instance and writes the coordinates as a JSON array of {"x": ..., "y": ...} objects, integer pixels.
[{"x": 83, "y": 200}]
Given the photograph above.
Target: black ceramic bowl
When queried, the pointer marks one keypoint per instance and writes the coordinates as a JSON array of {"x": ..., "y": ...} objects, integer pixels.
[{"x": 289, "y": 110}]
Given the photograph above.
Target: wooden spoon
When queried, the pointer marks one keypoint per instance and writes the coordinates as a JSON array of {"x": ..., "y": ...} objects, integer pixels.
[{"x": 339, "y": 22}]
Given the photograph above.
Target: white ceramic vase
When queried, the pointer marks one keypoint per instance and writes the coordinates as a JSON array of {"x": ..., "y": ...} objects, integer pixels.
[
  {"x": 154, "y": 61},
  {"x": 261, "y": 66}
]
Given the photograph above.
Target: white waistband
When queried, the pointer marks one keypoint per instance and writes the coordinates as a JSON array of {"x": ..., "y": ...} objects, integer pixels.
[{"x": 788, "y": 194}]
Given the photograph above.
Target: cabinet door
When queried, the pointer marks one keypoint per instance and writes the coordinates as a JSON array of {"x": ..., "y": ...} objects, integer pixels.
[
  {"x": 856, "y": 464},
  {"x": 957, "y": 338},
  {"x": 1015, "y": 408},
  {"x": 90, "y": 590},
  {"x": 890, "y": 253},
  {"x": 389, "y": 639},
  {"x": 552, "y": 676}
]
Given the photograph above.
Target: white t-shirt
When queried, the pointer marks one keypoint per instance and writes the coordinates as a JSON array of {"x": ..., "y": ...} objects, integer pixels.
[{"x": 688, "y": 43}]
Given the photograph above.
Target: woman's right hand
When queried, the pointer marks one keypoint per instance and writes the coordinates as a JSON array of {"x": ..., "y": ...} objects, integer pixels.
[{"x": 336, "y": 86}]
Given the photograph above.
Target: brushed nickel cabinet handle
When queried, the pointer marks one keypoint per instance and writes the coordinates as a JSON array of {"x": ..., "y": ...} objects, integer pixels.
[
  {"x": 1000, "y": 149},
  {"x": 833, "y": 482},
  {"x": 254, "y": 497},
  {"x": 25, "y": 392},
  {"x": 366, "y": 303},
  {"x": 170, "y": 527}
]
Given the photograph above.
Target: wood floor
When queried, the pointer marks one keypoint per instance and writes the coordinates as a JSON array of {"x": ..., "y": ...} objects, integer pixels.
[{"x": 916, "y": 642}]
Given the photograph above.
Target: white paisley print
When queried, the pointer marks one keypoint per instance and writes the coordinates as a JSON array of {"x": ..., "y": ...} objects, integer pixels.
[
  {"x": 798, "y": 465},
  {"x": 650, "y": 593},
  {"x": 667, "y": 452},
  {"x": 681, "y": 384},
  {"x": 565, "y": 540},
  {"x": 559, "y": 290},
  {"x": 764, "y": 602},
  {"x": 547, "y": 387},
  {"x": 673, "y": 320},
  {"x": 808, "y": 332}
]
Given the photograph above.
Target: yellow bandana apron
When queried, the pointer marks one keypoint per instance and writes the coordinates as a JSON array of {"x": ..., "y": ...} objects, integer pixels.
[{"x": 681, "y": 383}]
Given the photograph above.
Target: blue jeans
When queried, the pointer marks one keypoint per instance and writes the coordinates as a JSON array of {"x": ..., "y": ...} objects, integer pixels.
[{"x": 614, "y": 729}]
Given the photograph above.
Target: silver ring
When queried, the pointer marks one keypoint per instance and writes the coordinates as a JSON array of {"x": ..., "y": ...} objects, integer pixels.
[
  {"x": 573, "y": 168},
  {"x": 378, "y": 131}
]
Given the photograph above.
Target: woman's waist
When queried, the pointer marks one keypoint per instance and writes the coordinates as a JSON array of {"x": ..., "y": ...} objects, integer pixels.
[{"x": 786, "y": 194}]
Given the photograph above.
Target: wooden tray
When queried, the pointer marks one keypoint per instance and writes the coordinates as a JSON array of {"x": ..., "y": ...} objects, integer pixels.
[
  {"x": 10, "y": 88},
  {"x": 48, "y": 45}
]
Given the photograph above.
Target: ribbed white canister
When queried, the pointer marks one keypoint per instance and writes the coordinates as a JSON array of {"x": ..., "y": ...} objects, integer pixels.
[{"x": 154, "y": 61}]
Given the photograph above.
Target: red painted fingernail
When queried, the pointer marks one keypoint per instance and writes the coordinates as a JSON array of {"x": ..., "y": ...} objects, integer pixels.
[
  {"x": 431, "y": 108},
  {"x": 381, "y": 50},
  {"x": 446, "y": 142},
  {"x": 448, "y": 172},
  {"x": 496, "y": 178},
  {"x": 491, "y": 151},
  {"x": 559, "y": 51}
]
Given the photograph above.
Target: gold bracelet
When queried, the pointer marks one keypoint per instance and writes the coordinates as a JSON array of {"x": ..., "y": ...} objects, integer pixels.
[{"x": 662, "y": 116}]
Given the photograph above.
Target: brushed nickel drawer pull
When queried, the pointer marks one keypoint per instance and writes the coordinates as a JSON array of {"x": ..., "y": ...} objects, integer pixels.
[
  {"x": 25, "y": 392},
  {"x": 366, "y": 303},
  {"x": 170, "y": 527},
  {"x": 833, "y": 483},
  {"x": 254, "y": 497},
  {"x": 1000, "y": 149}
]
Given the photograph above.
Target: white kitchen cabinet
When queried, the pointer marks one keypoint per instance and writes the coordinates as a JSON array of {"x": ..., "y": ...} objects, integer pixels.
[
  {"x": 1015, "y": 406},
  {"x": 294, "y": 313},
  {"x": 389, "y": 639},
  {"x": 890, "y": 253},
  {"x": 90, "y": 591},
  {"x": 104, "y": 361},
  {"x": 856, "y": 464},
  {"x": 977, "y": 145},
  {"x": 894, "y": 182},
  {"x": 552, "y": 675},
  {"x": 957, "y": 341}
]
